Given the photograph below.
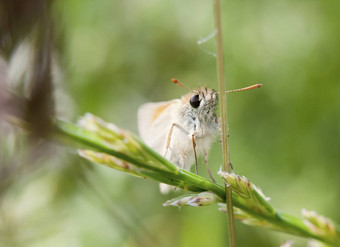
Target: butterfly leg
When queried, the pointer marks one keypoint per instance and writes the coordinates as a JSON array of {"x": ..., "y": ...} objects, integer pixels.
[
  {"x": 183, "y": 158},
  {"x": 206, "y": 164},
  {"x": 170, "y": 135},
  {"x": 194, "y": 147}
]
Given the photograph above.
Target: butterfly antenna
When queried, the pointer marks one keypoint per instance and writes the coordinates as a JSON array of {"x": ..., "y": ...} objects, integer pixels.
[
  {"x": 177, "y": 82},
  {"x": 244, "y": 89}
]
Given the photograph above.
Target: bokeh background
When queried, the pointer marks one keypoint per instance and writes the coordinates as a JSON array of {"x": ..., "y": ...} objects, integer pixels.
[{"x": 109, "y": 57}]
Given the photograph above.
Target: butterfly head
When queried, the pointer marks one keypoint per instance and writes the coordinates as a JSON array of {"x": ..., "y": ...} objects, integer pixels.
[{"x": 201, "y": 102}]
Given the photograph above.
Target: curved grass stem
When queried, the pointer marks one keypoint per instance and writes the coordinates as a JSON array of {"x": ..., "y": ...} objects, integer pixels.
[{"x": 125, "y": 152}]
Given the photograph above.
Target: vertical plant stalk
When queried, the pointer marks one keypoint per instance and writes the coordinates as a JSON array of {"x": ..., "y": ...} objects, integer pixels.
[{"x": 224, "y": 120}]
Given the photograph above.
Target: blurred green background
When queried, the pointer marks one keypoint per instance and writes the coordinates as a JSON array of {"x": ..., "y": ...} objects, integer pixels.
[{"x": 116, "y": 55}]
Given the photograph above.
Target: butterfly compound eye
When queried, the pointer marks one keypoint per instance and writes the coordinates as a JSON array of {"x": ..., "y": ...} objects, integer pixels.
[{"x": 194, "y": 101}]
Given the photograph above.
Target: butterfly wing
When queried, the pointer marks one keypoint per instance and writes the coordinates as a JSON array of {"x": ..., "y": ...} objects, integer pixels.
[{"x": 154, "y": 123}]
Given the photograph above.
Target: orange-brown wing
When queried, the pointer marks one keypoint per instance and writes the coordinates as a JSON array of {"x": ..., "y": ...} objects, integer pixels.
[{"x": 154, "y": 122}]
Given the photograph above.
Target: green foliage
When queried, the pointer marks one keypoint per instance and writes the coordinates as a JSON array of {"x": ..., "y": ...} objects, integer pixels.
[{"x": 119, "y": 149}]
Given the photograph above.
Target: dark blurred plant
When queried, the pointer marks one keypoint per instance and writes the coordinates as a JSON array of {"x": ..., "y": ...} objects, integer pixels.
[{"x": 33, "y": 108}]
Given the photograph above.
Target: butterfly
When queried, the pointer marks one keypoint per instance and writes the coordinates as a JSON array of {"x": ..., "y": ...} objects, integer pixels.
[{"x": 182, "y": 129}]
